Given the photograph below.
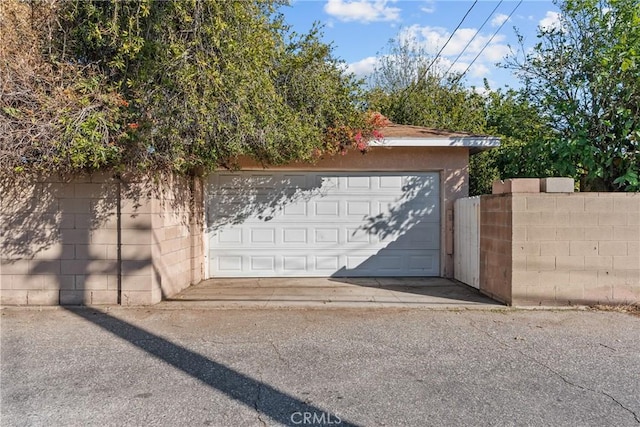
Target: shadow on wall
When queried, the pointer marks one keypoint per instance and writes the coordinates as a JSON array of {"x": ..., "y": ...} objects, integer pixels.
[
  {"x": 61, "y": 237},
  {"x": 405, "y": 232},
  {"x": 235, "y": 197},
  {"x": 409, "y": 230},
  {"x": 407, "y": 212}
]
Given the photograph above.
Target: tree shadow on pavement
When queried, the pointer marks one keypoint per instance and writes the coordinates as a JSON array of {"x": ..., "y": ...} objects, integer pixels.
[{"x": 255, "y": 394}]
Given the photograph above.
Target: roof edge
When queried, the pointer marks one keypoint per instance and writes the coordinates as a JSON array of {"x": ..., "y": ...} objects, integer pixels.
[{"x": 482, "y": 142}]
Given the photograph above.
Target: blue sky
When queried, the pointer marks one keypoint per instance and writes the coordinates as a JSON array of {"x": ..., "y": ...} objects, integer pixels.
[{"x": 360, "y": 30}]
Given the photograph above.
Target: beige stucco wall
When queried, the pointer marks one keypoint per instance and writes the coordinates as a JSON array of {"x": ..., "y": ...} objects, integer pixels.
[
  {"x": 451, "y": 162},
  {"x": 98, "y": 240},
  {"x": 564, "y": 248}
]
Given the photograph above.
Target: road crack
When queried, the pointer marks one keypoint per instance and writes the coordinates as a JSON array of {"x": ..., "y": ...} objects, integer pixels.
[
  {"x": 258, "y": 400},
  {"x": 556, "y": 373},
  {"x": 282, "y": 359},
  {"x": 581, "y": 387}
]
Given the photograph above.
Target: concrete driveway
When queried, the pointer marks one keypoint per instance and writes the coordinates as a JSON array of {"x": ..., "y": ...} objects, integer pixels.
[
  {"x": 346, "y": 367},
  {"x": 311, "y": 292}
]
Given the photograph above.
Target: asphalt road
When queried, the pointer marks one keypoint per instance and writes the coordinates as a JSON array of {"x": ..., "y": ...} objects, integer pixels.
[{"x": 342, "y": 367}]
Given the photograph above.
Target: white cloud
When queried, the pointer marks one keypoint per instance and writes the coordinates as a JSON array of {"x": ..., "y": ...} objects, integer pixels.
[
  {"x": 363, "y": 11},
  {"x": 431, "y": 39},
  {"x": 496, "y": 52},
  {"x": 551, "y": 21},
  {"x": 477, "y": 70},
  {"x": 364, "y": 67},
  {"x": 499, "y": 19},
  {"x": 429, "y": 6},
  {"x": 445, "y": 64}
]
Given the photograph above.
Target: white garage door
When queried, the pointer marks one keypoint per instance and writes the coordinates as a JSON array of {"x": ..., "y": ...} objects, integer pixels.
[{"x": 321, "y": 224}]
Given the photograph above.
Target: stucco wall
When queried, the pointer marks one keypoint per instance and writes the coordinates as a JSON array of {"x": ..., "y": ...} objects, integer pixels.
[
  {"x": 451, "y": 162},
  {"x": 99, "y": 240},
  {"x": 573, "y": 248}
]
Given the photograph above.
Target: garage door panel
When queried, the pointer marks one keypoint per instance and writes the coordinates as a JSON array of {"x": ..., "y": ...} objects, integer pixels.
[
  {"x": 325, "y": 181},
  {"x": 263, "y": 264},
  {"x": 326, "y": 209},
  {"x": 229, "y": 236},
  {"x": 358, "y": 208},
  {"x": 426, "y": 211},
  {"x": 296, "y": 181},
  {"x": 390, "y": 182},
  {"x": 326, "y": 235},
  {"x": 422, "y": 263},
  {"x": 296, "y": 209},
  {"x": 358, "y": 183},
  {"x": 260, "y": 236},
  {"x": 231, "y": 264},
  {"x": 390, "y": 263},
  {"x": 426, "y": 236},
  {"x": 294, "y": 264},
  {"x": 357, "y": 235},
  {"x": 293, "y": 236},
  {"x": 323, "y": 224}
]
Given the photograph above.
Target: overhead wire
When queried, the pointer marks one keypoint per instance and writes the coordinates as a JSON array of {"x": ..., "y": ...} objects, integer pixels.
[
  {"x": 488, "y": 42},
  {"x": 424, "y": 74},
  {"x": 474, "y": 37}
]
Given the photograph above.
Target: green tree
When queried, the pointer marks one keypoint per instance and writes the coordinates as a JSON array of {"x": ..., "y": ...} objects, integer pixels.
[
  {"x": 185, "y": 86},
  {"x": 583, "y": 75},
  {"x": 54, "y": 115},
  {"x": 525, "y": 150},
  {"x": 409, "y": 87}
]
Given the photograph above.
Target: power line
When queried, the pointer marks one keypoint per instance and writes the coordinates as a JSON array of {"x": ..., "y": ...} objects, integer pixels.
[
  {"x": 488, "y": 42},
  {"x": 424, "y": 74},
  {"x": 473, "y": 38}
]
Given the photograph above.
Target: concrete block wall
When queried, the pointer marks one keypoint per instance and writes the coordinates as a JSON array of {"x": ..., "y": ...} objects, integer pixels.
[
  {"x": 495, "y": 247},
  {"x": 566, "y": 248},
  {"x": 176, "y": 238},
  {"x": 58, "y": 242},
  {"x": 96, "y": 240}
]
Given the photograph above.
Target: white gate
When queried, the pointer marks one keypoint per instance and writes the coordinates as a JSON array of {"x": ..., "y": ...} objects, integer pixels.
[{"x": 466, "y": 228}]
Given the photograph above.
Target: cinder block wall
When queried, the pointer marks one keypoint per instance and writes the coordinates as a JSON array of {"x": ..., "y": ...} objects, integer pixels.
[
  {"x": 97, "y": 240},
  {"x": 572, "y": 248},
  {"x": 496, "y": 247}
]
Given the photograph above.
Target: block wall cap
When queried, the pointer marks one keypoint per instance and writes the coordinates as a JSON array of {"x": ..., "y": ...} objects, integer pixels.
[
  {"x": 516, "y": 185},
  {"x": 557, "y": 185}
]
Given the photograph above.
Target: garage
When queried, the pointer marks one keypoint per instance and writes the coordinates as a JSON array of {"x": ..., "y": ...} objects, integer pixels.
[{"x": 314, "y": 223}]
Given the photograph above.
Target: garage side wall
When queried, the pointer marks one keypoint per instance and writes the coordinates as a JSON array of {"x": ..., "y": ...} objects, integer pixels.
[
  {"x": 451, "y": 162},
  {"x": 98, "y": 240}
]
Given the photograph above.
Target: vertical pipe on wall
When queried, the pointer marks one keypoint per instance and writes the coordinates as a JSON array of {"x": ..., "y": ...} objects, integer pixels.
[
  {"x": 119, "y": 238},
  {"x": 192, "y": 226}
]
